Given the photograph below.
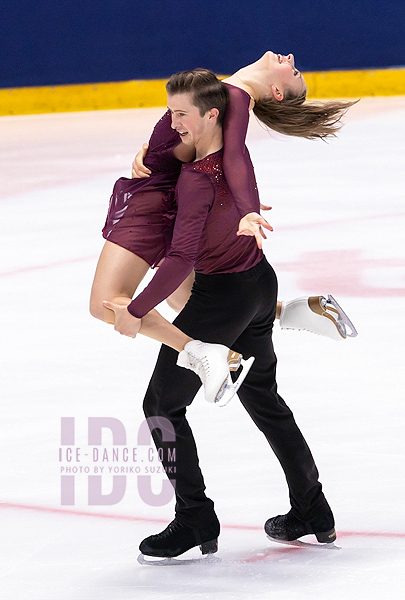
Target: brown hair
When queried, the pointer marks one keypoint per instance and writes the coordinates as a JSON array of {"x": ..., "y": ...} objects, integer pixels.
[
  {"x": 294, "y": 116},
  {"x": 207, "y": 91}
]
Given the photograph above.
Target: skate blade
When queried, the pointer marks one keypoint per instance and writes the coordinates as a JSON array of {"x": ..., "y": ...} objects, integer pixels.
[
  {"x": 342, "y": 319},
  {"x": 330, "y": 309},
  {"x": 229, "y": 388},
  {"x": 300, "y": 544},
  {"x": 172, "y": 561}
]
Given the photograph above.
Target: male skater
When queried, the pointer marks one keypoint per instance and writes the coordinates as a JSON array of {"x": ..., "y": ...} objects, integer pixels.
[{"x": 233, "y": 302}]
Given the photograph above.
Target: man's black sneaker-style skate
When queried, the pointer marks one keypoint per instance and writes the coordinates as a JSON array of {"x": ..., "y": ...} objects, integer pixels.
[
  {"x": 288, "y": 528},
  {"x": 177, "y": 539}
]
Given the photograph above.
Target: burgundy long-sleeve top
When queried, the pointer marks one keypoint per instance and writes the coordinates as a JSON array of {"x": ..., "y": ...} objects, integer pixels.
[
  {"x": 204, "y": 236},
  {"x": 208, "y": 213}
]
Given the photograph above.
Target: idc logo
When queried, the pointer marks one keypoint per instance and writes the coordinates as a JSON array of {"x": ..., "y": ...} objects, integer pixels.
[{"x": 115, "y": 464}]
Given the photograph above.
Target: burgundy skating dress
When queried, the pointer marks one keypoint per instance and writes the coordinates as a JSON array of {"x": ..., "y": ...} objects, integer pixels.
[{"x": 141, "y": 213}]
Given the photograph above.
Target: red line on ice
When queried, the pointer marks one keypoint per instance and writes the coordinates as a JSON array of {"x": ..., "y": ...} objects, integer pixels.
[
  {"x": 60, "y": 263},
  {"x": 99, "y": 515},
  {"x": 280, "y": 228}
]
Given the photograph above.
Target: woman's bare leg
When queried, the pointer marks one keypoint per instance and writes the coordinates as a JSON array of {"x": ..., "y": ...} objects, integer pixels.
[
  {"x": 156, "y": 327},
  {"x": 179, "y": 298},
  {"x": 118, "y": 274}
]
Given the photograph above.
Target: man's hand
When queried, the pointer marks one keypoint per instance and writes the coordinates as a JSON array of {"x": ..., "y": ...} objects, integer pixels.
[
  {"x": 125, "y": 323},
  {"x": 252, "y": 224},
  {"x": 138, "y": 168}
]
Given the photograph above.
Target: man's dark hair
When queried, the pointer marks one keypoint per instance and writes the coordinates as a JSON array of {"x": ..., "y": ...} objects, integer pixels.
[{"x": 206, "y": 89}]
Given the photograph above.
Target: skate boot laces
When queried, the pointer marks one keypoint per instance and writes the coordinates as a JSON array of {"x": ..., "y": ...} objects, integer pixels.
[{"x": 200, "y": 365}]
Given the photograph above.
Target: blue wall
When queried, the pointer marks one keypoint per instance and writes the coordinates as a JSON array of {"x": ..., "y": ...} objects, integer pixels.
[{"x": 44, "y": 42}]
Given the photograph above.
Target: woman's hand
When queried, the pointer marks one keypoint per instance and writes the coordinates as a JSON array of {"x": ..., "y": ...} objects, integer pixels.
[
  {"x": 252, "y": 224},
  {"x": 125, "y": 323},
  {"x": 138, "y": 168}
]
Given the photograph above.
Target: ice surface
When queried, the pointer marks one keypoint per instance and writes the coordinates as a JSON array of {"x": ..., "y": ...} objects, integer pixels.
[{"x": 338, "y": 217}]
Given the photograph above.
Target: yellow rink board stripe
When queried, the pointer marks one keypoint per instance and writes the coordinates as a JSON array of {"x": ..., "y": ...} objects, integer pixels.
[
  {"x": 354, "y": 84},
  {"x": 89, "y": 96},
  {"x": 151, "y": 92}
]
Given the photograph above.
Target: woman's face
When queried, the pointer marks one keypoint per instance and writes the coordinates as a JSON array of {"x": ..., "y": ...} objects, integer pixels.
[{"x": 283, "y": 74}]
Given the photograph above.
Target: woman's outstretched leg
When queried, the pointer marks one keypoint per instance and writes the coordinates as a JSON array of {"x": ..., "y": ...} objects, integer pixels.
[
  {"x": 118, "y": 274},
  {"x": 179, "y": 298}
]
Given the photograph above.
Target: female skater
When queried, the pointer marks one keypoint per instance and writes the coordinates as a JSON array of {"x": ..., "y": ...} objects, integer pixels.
[
  {"x": 141, "y": 212},
  {"x": 277, "y": 91}
]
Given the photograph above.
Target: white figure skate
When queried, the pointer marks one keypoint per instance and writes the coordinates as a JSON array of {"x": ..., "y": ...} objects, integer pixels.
[
  {"x": 213, "y": 363},
  {"x": 319, "y": 315}
]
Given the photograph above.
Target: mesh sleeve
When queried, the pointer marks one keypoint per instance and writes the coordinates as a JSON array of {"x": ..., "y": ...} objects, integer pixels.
[
  {"x": 238, "y": 168},
  {"x": 195, "y": 195}
]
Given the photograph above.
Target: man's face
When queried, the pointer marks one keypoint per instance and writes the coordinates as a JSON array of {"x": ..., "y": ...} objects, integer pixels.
[{"x": 186, "y": 118}]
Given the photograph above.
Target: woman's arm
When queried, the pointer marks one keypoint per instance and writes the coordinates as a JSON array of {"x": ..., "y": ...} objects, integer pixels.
[
  {"x": 184, "y": 153},
  {"x": 238, "y": 168},
  {"x": 139, "y": 170}
]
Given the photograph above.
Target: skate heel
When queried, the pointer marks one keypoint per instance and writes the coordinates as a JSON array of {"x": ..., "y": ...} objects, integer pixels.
[
  {"x": 209, "y": 547},
  {"x": 329, "y": 308},
  {"x": 326, "y": 537},
  {"x": 234, "y": 360},
  {"x": 229, "y": 388},
  {"x": 318, "y": 305},
  {"x": 343, "y": 319}
]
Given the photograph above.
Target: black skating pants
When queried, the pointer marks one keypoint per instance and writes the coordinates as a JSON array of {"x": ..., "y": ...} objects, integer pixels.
[{"x": 237, "y": 310}]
